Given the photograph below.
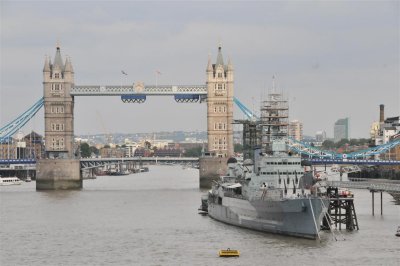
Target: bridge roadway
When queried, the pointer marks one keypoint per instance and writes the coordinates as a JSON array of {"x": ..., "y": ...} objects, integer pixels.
[
  {"x": 189, "y": 159},
  {"x": 118, "y": 90},
  {"x": 390, "y": 186},
  {"x": 88, "y": 163},
  {"x": 354, "y": 161}
]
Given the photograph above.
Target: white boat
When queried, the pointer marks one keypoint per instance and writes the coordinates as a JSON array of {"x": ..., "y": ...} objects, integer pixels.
[
  {"x": 28, "y": 179},
  {"x": 7, "y": 181}
]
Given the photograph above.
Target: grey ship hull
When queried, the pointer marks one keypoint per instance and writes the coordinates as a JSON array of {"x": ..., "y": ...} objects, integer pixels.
[{"x": 292, "y": 217}]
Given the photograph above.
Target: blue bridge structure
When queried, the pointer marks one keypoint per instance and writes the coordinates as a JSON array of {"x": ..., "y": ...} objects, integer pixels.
[{"x": 185, "y": 94}]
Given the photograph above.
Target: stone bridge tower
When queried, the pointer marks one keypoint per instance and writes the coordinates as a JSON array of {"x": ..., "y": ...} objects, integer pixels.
[
  {"x": 220, "y": 107},
  {"x": 58, "y": 79},
  {"x": 60, "y": 169}
]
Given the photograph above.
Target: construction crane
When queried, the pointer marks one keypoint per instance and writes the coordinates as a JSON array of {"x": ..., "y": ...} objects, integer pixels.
[{"x": 108, "y": 136}]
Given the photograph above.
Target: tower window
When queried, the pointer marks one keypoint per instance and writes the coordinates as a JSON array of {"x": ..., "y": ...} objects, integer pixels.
[
  {"x": 220, "y": 75},
  {"x": 57, "y": 75},
  {"x": 56, "y": 87}
]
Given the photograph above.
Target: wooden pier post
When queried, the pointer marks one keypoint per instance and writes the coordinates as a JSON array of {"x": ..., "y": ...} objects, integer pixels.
[
  {"x": 381, "y": 205},
  {"x": 373, "y": 203}
]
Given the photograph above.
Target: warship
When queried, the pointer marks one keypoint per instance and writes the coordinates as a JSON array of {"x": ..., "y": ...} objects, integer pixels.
[{"x": 272, "y": 191}]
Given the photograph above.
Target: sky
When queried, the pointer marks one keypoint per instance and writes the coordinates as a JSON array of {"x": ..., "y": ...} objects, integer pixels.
[{"x": 333, "y": 59}]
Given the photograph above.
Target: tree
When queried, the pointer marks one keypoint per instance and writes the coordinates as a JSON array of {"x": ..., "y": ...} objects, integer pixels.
[
  {"x": 193, "y": 152},
  {"x": 147, "y": 145},
  {"x": 85, "y": 150},
  {"x": 237, "y": 147},
  {"x": 328, "y": 144},
  {"x": 94, "y": 150},
  {"x": 354, "y": 142},
  {"x": 341, "y": 143}
]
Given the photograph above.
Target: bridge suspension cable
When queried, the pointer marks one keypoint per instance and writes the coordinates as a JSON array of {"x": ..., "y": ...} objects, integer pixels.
[
  {"x": 12, "y": 127},
  {"x": 250, "y": 115},
  {"x": 314, "y": 152}
]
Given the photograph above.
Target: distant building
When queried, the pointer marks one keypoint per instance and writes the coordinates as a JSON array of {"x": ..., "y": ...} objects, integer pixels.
[
  {"x": 386, "y": 129},
  {"x": 320, "y": 136},
  {"x": 341, "y": 129},
  {"x": 112, "y": 152},
  {"x": 34, "y": 145},
  {"x": 296, "y": 130},
  {"x": 130, "y": 148},
  {"x": 23, "y": 147},
  {"x": 168, "y": 152}
]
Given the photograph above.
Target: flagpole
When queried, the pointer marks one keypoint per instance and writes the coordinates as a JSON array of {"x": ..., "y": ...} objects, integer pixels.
[{"x": 156, "y": 78}]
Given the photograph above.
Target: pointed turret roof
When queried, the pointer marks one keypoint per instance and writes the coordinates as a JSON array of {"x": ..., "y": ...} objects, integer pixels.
[
  {"x": 68, "y": 65},
  {"x": 209, "y": 65},
  {"x": 220, "y": 59},
  {"x": 230, "y": 66},
  {"x": 46, "y": 67},
  {"x": 58, "y": 62}
]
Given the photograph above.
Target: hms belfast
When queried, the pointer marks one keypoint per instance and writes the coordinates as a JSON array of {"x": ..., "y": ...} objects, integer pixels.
[{"x": 271, "y": 191}]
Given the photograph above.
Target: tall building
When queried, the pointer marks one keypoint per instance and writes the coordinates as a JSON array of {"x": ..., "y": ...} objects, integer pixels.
[
  {"x": 320, "y": 136},
  {"x": 296, "y": 130},
  {"x": 220, "y": 107},
  {"x": 58, "y": 79},
  {"x": 341, "y": 129}
]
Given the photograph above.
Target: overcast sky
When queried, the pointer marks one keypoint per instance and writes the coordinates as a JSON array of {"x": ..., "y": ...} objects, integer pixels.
[{"x": 333, "y": 59}]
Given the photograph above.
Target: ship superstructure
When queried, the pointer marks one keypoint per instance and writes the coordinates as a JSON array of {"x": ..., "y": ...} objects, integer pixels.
[{"x": 271, "y": 192}]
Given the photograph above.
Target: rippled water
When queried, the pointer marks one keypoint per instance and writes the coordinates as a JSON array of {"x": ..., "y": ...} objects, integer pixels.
[{"x": 151, "y": 219}]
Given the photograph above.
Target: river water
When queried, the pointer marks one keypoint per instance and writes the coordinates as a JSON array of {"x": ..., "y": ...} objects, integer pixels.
[{"x": 151, "y": 219}]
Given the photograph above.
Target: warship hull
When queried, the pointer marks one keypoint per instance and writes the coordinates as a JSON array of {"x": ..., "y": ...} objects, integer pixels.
[{"x": 299, "y": 217}]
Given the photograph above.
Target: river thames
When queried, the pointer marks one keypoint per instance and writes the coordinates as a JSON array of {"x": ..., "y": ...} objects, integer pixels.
[{"x": 151, "y": 219}]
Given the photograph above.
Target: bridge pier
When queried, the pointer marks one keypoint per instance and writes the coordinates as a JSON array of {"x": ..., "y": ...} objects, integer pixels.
[
  {"x": 58, "y": 174},
  {"x": 211, "y": 168}
]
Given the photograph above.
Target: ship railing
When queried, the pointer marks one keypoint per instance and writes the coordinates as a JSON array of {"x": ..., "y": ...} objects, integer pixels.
[{"x": 232, "y": 194}]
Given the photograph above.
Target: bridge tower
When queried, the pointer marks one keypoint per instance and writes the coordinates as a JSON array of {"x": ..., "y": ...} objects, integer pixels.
[
  {"x": 60, "y": 169},
  {"x": 220, "y": 107}
]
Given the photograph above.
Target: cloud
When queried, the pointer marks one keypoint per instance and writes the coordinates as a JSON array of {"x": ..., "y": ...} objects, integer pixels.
[{"x": 354, "y": 45}]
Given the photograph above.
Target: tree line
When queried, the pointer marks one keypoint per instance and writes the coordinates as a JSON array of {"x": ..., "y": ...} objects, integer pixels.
[{"x": 329, "y": 144}]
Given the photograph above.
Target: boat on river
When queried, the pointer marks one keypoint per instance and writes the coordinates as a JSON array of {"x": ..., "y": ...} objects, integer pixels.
[
  {"x": 271, "y": 192},
  {"x": 271, "y": 198},
  {"x": 7, "y": 181}
]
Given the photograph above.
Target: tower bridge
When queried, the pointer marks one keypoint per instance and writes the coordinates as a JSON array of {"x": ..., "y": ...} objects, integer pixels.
[{"x": 59, "y": 90}]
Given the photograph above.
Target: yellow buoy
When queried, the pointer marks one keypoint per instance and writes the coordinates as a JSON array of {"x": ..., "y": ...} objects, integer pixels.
[{"x": 229, "y": 253}]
